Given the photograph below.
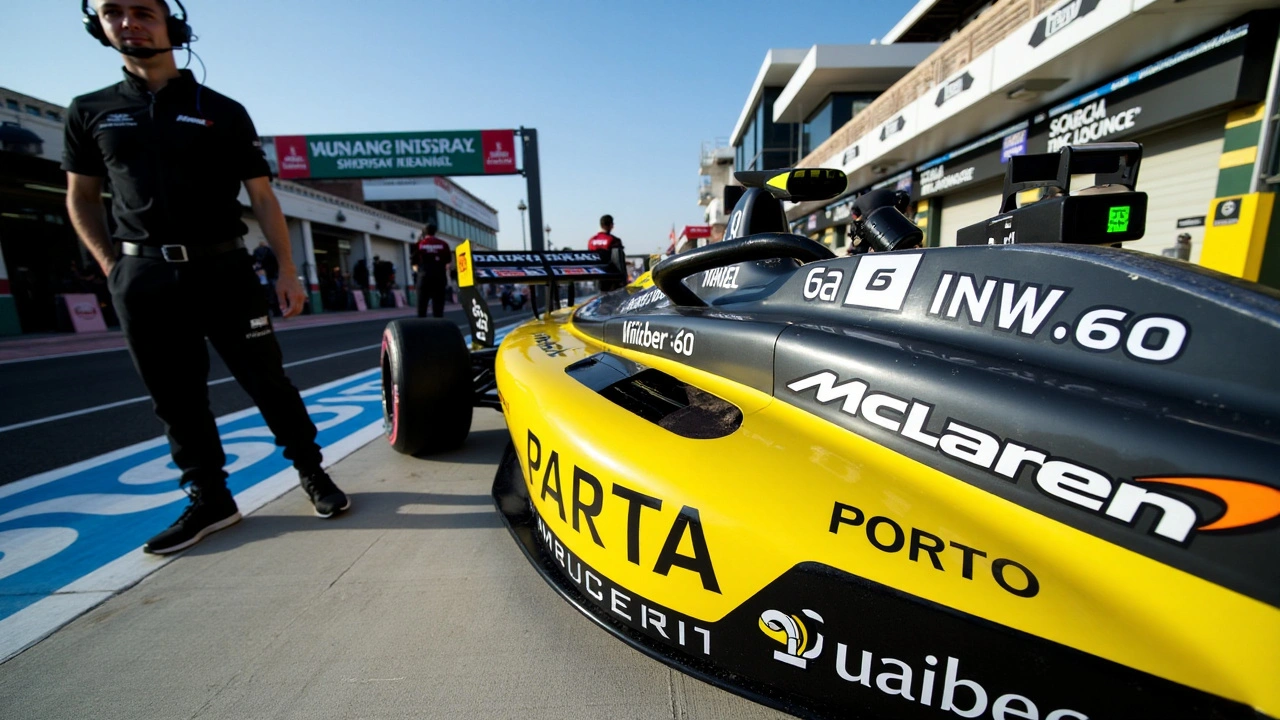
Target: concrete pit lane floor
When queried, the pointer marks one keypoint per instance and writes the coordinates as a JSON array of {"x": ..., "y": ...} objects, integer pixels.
[{"x": 416, "y": 604}]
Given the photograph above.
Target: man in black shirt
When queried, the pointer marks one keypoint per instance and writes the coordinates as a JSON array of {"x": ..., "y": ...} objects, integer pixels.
[
  {"x": 176, "y": 154},
  {"x": 433, "y": 260}
]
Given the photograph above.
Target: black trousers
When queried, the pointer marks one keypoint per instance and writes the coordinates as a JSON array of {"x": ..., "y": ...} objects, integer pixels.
[
  {"x": 430, "y": 289},
  {"x": 166, "y": 311}
]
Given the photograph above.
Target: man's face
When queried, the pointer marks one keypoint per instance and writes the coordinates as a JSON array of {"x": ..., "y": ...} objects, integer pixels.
[{"x": 134, "y": 23}]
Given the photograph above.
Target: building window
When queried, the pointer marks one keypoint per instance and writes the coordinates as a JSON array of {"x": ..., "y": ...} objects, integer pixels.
[
  {"x": 33, "y": 110},
  {"x": 53, "y": 115},
  {"x": 12, "y": 105},
  {"x": 831, "y": 115}
]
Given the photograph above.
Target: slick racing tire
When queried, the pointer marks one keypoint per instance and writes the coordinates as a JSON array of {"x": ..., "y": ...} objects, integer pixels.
[{"x": 426, "y": 386}]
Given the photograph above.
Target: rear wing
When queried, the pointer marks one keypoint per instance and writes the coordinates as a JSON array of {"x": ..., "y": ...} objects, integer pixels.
[
  {"x": 534, "y": 268},
  {"x": 526, "y": 268}
]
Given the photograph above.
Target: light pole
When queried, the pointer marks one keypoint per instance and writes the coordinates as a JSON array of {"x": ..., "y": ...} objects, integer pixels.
[
  {"x": 548, "y": 229},
  {"x": 522, "y": 207}
]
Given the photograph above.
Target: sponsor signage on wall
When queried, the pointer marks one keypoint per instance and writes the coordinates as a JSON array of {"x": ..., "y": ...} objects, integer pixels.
[
  {"x": 982, "y": 159},
  {"x": 1060, "y": 18},
  {"x": 408, "y": 154},
  {"x": 1211, "y": 73},
  {"x": 1063, "y": 26},
  {"x": 899, "y": 128},
  {"x": 962, "y": 89}
]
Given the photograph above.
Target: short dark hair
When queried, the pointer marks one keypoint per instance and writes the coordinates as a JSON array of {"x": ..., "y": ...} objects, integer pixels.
[
  {"x": 431, "y": 228},
  {"x": 164, "y": 7},
  {"x": 606, "y": 220}
]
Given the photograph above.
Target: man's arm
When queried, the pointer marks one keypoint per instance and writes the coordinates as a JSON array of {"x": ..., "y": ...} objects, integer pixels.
[
  {"x": 84, "y": 205},
  {"x": 267, "y": 210}
]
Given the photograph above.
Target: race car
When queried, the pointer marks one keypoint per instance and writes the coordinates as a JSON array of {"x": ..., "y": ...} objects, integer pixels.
[{"x": 1030, "y": 476}]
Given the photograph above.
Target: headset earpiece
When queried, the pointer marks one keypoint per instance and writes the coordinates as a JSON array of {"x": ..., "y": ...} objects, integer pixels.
[
  {"x": 93, "y": 24},
  {"x": 179, "y": 31}
]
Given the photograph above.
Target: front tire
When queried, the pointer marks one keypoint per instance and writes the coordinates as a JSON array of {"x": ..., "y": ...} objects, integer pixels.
[{"x": 427, "y": 392}]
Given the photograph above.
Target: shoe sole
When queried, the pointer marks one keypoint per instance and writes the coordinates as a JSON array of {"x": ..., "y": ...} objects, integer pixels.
[
  {"x": 204, "y": 532},
  {"x": 342, "y": 509}
]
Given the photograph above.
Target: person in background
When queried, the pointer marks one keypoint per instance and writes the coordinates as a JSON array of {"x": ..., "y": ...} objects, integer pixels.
[
  {"x": 360, "y": 275},
  {"x": 271, "y": 267},
  {"x": 382, "y": 280},
  {"x": 606, "y": 240},
  {"x": 433, "y": 256}
]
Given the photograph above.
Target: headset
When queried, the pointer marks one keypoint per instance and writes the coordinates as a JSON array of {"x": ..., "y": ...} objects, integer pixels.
[{"x": 179, "y": 32}]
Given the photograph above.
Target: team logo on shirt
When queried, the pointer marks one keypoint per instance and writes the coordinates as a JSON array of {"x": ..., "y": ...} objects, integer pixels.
[
  {"x": 115, "y": 120},
  {"x": 258, "y": 327},
  {"x": 195, "y": 120}
]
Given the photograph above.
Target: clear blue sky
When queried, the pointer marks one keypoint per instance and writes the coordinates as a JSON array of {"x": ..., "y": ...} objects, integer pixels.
[{"x": 622, "y": 93}]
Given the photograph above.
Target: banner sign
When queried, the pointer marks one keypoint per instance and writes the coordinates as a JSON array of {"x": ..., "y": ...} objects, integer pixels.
[
  {"x": 84, "y": 312},
  {"x": 1215, "y": 72},
  {"x": 696, "y": 232},
  {"x": 407, "y": 154},
  {"x": 975, "y": 162}
]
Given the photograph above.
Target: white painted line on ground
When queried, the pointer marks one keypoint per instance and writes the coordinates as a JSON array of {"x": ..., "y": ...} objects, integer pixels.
[
  {"x": 144, "y": 398},
  {"x": 27, "y": 483},
  {"x": 40, "y": 620},
  {"x": 61, "y": 355},
  {"x": 34, "y": 623}
]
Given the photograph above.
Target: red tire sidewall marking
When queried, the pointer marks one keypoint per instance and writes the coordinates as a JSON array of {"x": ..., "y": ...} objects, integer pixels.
[{"x": 395, "y": 389}]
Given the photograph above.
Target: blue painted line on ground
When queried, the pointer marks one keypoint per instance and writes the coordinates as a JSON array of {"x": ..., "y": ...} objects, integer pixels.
[
  {"x": 91, "y": 517},
  {"x": 59, "y": 527}
]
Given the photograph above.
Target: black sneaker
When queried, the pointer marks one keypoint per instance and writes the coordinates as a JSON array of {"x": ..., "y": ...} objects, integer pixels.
[
  {"x": 209, "y": 512},
  {"x": 326, "y": 496}
]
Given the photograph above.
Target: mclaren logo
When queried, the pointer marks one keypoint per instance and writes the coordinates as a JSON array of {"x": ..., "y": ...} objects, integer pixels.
[
  {"x": 800, "y": 645},
  {"x": 1246, "y": 503}
]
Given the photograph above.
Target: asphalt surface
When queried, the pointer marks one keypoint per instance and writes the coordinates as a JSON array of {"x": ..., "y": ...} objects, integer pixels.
[
  {"x": 38, "y": 390},
  {"x": 416, "y": 604}
]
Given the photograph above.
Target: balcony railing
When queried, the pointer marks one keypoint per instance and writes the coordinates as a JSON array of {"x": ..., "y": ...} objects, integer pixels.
[{"x": 992, "y": 26}]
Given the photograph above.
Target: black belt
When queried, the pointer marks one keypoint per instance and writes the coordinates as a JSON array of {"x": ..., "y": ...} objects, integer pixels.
[{"x": 181, "y": 253}]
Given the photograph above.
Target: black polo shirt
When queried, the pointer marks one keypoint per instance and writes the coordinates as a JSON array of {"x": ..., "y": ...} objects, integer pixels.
[{"x": 175, "y": 158}]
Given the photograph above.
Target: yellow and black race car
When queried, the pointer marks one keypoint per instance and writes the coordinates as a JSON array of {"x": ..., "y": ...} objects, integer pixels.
[{"x": 1033, "y": 476}]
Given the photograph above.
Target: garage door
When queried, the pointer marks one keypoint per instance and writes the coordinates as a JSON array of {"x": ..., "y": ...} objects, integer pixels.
[
  {"x": 967, "y": 207},
  {"x": 1179, "y": 174}
]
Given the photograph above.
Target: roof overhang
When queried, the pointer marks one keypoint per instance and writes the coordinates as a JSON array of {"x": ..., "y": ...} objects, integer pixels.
[
  {"x": 828, "y": 69},
  {"x": 778, "y": 67},
  {"x": 912, "y": 16}
]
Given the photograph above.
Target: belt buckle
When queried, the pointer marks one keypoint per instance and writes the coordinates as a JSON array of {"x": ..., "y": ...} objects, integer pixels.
[{"x": 181, "y": 255}]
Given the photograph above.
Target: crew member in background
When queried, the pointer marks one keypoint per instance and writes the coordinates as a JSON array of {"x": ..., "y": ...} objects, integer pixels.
[
  {"x": 176, "y": 154},
  {"x": 606, "y": 240},
  {"x": 267, "y": 261},
  {"x": 433, "y": 256},
  {"x": 382, "y": 281}
]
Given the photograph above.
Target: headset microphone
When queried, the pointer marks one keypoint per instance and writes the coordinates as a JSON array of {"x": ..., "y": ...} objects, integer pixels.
[{"x": 143, "y": 52}]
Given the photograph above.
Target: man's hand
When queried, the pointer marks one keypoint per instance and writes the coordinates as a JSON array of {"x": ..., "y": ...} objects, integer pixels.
[{"x": 290, "y": 293}]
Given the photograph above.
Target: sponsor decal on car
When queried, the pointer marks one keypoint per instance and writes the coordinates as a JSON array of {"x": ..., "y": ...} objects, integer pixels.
[
  {"x": 643, "y": 299},
  {"x": 1058, "y": 477},
  {"x": 548, "y": 346},
  {"x": 587, "y": 501},
  {"x": 636, "y": 612},
  {"x": 952, "y": 693},
  {"x": 1012, "y": 576},
  {"x": 880, "y": 282},
  {"x": 721, "y": 277}
]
